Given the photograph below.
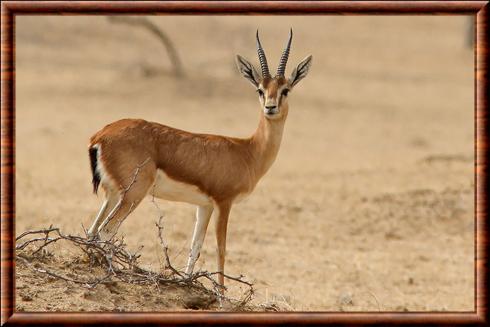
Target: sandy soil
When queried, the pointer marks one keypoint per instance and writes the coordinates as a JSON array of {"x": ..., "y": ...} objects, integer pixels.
[{"x": 369, "y": 205}]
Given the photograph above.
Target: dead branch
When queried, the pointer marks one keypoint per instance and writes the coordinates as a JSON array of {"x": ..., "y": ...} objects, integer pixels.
[
  {"x": 118, "y": 263},
  {"x": 164, "y": 245},
  {"x": 162, "y": 36}
]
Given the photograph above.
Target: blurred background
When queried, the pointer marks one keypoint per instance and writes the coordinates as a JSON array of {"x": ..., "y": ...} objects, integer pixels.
[{"x": 369, "y": 205}]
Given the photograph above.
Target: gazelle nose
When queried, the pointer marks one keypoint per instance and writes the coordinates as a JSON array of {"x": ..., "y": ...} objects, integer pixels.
[{"x": 270, "y": 107}]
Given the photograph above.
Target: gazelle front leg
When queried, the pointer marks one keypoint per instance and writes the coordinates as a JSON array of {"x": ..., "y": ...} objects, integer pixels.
[
  {"x": 203, "y": 215},
  {"x": 221, "y": 227}
]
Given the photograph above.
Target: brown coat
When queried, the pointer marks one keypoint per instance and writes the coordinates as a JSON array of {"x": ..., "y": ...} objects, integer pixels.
[{"x": 221, "y": 167}]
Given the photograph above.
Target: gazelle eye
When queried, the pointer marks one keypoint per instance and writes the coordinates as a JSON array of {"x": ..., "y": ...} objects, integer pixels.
[
  {"x": 285, "y": 92},
  {"x": 261, "y": 93}
]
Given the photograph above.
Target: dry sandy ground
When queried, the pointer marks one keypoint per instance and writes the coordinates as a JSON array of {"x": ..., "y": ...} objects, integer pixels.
[{"x": 369, "y": 205}]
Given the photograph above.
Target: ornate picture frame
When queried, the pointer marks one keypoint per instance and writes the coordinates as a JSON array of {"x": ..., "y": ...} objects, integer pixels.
[{"x": 12, "y": 9}]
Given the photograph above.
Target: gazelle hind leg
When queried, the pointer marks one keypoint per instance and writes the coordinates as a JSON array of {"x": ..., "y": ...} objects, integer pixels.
[
  {"x": 203, "y": 215},
  {"x": 221, "y": 227},
  {"x": 126, "y": 205},
  {"x": 109, "y": 203},
  {"x": 128, "y": 199},
  {"x": 108, "y": 228}
]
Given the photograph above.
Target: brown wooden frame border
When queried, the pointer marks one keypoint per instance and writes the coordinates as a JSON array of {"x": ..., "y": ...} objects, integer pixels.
[{"x": 9, "y": 9}]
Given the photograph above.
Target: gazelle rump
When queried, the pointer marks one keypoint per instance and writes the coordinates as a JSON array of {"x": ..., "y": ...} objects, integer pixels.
[{"x": 133, "y": 158}]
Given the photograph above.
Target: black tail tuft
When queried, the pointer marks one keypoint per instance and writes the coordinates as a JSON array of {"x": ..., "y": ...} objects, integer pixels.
[{"x": 93, "y": 164}]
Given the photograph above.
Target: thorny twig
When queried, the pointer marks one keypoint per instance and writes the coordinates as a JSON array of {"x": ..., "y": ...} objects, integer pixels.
[
  {"x": 159, "y": 225},
  {"x": 164, "y": 245}
]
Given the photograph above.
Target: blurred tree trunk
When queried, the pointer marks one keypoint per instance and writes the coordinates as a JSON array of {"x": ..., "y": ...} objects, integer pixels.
[{"x": 156, "y": 31}]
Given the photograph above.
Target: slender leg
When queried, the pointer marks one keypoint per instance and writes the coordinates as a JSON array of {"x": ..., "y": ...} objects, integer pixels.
[
  {"x": 98, "y": 219},
  {"x": 108, "y": 205},
  {"x": 221, "y": 226},
  {"x": 203, "y": 214},
  {"x": 108, "y": 229},
  {"x": 128, "y": 200}
]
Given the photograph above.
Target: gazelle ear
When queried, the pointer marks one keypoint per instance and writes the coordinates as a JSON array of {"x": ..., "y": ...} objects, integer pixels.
[
  {"x": 247, "y": 70},
  {"x": 300, "y": 71}
]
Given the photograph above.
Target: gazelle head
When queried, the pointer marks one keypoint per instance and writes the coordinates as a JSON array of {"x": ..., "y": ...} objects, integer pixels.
[{"x": 273, "y": 91}]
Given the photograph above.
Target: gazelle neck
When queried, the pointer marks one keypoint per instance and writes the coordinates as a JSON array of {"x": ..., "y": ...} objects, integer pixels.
[{"x": 266, "y": 140}]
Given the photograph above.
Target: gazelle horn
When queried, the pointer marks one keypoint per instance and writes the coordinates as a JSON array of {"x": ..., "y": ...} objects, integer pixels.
[
  {"x": 281, "y": 69},
  {"x": 262, "y": 58}
]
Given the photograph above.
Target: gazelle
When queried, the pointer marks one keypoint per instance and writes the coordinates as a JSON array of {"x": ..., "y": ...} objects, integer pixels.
[{"x": 132, "y": 158}]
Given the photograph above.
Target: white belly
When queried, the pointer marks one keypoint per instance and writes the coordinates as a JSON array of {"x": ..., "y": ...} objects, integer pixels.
[{"x": 172, "y": 190}]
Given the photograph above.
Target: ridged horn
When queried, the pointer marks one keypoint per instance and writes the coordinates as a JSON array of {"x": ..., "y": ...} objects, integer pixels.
[
  {"x": 281, "y": 69},
  {"x": 262, "y": 58}
]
